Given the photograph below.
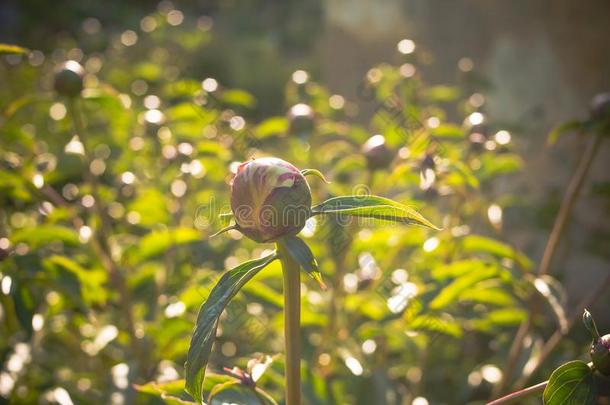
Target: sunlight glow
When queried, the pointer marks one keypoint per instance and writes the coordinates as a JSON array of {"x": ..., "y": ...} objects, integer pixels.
[
  {"x": 84, "y": 234},
  {"x": 406, "y": 46},
  {"x": 58, "y": 111},
  {"x": 494, "y": 213},
  {"x": 431, "y": 244},
  {"x": 369, "y": 346},
  {"x": 175, "y": 309},
  {"x": 354, "y": 365},
  {"x": 476, "y": 118},
  {"x": 491, "y": 373},
  {"x": 502, "y": 137},
  {"x": 210, "y": 85},
  {"x": 38, "y": 180},
  {"x": 300, "y": 77}
]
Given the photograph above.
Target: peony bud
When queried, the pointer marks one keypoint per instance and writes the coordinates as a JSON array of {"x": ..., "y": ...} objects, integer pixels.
[
  {"x": 377, "y": 153},
  {"x": 270, "y": 198},
  {"x": 69, "y": 79},
  {"x": 301, "y": 118},
  {"x": 600, "y": 107},
  {"x": 600, "y": 354}
]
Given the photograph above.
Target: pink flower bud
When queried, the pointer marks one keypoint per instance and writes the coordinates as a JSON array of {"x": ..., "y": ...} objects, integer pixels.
[{"x": 270, "y": 198}]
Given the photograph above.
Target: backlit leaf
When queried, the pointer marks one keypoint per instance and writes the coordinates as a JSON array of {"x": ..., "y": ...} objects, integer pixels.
[{"x": 207, "y": 320}]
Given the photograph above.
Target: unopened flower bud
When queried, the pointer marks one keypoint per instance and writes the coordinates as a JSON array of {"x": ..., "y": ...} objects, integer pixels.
[
  {"x": 600, "y": 107},
  {"x": 377, "y": 153},
  {"x": 600, "y": 354},
  {"x": 69, "y": 79},
  {"x": 301, "y": 118},
  {"x": 270, "y": 198}
]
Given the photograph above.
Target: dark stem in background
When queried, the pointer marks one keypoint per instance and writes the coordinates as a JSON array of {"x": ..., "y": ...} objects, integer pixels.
[
  {"x": 100, "y": 238},
  {"x": 554, "y": 340},
  {"x": 292, "y": 325},
  {"x": 516, "y": 397},
  {"x": 559, "y": 226}
]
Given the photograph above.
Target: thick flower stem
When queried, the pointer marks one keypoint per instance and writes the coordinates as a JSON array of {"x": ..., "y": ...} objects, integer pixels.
[{"x": 292, "y": 325}]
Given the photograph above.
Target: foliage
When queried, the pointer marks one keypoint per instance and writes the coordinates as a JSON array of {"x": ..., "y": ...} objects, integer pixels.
[{"x": 108, "y": 202}]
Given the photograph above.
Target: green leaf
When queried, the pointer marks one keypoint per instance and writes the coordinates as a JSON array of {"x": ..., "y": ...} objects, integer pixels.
[
  {"x": 171, "y": 393},
  {"x": 158, "y": 242},
  {"x": 486, "y": 295},
  {"x": 240, "y": 98},
  {"x": 301, "y": 253},
  {"x": 271, "y": 126},
  {"x": 451, "y": 293},
  {"x": 442, "y": 94},
  {"x": 6, "y": 49},
  {"x": 237, "y": 393},
  {"x": 495, "y": 165},
  {"x": 477, "y": 243},
  {"x": 78, "y": 281},
  {"x": 371, "y": 206},
  {"x": 562, "y": 129},
  {"x": 571, "y": 383},
  {"x": 314, "y": 172},
  {"x": 448, "y": 131},
  {"x": 207, "y": 320},
  {"x": 42, "y": 235},
  {"x": 436, "y": 324}
]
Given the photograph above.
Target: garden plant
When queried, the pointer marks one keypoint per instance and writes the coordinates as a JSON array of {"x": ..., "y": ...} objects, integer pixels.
[{"x": 155, "y": 221}]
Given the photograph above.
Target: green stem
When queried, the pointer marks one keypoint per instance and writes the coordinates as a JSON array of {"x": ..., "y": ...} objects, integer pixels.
[{"x": 292, "y": 325}]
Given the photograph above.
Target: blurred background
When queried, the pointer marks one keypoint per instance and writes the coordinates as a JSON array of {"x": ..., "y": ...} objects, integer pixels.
[{"x": 531, "y": 64}]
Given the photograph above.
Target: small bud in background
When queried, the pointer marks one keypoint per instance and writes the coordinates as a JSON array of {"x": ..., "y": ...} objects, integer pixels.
[
  {"x": 600, "y": 348},
  {"x": 69, "y": 79},
  {"x": 600, "y": 107},
  {"x": 270, "y": 198},
  {"x": 301, "y": 118},
  {"x": 377, "y": 154},
  {"x": 600, "y": 354}
]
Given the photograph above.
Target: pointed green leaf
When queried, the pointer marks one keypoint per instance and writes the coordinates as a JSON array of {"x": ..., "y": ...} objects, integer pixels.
[
  {"x": 6, "y": 49},
  {"x": 371, "y": 206},
  {"x": 562, "y": 129},
  {"x": 207, "y": 320},
  {"x": 450, "y": 293},
  {"x": 478, "y": 243},
  {"x": 314, "y": 172},
  {"x": 301, "y": 253},
  {"x": 571, "y": 384},
  {"x": 42, "y": 235}
]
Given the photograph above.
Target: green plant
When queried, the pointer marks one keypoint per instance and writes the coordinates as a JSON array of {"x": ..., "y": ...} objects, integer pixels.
[
  {"x": 270, "y": 200},
  {"x": 109, "y": 197},
  {"x": 574, "y": 382}
]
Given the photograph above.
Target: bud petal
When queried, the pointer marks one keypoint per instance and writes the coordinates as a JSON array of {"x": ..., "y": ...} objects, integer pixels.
[
  {"x": 270, "y": 198},
  {"x": 600, "y": 354}
]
